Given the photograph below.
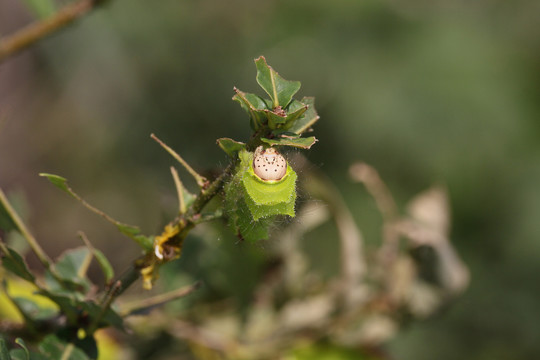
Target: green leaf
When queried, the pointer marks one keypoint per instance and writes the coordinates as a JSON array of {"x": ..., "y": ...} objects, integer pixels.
[
  {"x": 254, "y": 105},
  {"x": 52, "y": 347},
  {"x": 75, "y": 307},
  {"x": 69, "y": 305},
  {"x": 328, "y": 352},
  {"x": 28, "y": 309},
  {"x": 69, "y": 266},
  {"x": 249, "y": 101},
  {"x": 20, "y": 354},
  {"x": 110, "y": 318},
  {"x": 4, "y": 352},
  {"x": 230, "y": 146},
  {"x": 32, "y": 310},
  {"x": 58, "y": 181},
  {"x": 55, "y": 348},
  {"x": 16, "y": 264},
  {"x": 289, "y": 117},
  {"x": 21, "y": 343},
  {"x": 280, "y": 90},
  {"x": 104, "y": 264},
  {"x": 42, "y": 8},
  {"x": 130, "y": 231},
  {"x": 275, "y": 121},
  {"x": 85, "y": 348},
  {"x": 133, "y": 232},
  {"x": 306, "y": 121},
  {"x": 302, "y": 143},
  {"x": 295, "y": 110}
]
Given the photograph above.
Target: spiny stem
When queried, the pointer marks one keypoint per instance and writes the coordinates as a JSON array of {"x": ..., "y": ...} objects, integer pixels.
[
  {"x": 124, "y": 282},
  {"x": 36, "y": 31},
  {"x": 187, "y": 221},
  {"x": 207, "y": 194},
  {"x": 40, "y": 253},
  {"x": 180, "y": 190},
  {"x": 201, "y": 180}
]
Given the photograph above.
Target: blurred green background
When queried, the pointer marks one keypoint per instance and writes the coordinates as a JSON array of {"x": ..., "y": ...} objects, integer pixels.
[{"x": 427, "y": 92}]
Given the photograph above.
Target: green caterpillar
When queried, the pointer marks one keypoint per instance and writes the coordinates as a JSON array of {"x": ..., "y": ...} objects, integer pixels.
[{"x": 265, "y": 186}]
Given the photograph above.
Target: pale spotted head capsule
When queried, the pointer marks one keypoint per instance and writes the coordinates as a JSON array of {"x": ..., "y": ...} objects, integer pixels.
[{"x": 269, "y": 164}]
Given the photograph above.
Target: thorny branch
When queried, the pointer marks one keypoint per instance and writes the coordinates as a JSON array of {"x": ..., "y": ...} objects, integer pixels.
[
  {"x": 13, "y": 44},
  {"x": 34, "y": 245},
  {"x": 184, "y": 222}
]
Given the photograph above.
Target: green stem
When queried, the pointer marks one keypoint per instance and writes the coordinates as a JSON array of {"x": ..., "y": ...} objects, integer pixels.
[
  {"x": 4, "y": 248},
  {"x": 188, "y": 221},
  {"x": 123, "y": 283},
  {"x": 201, "y": 180},
  {"x": 207, "y": 194},
  {"x": 157, "y": 300},
  {"x": 88, "y": 259},
  {"x": 208, "y": 217},
  {"x": 67, "y": 351},
  {"x": 179, "y": 190},
  {"x": 40, "y": 253},
  {"x": 106, "y": 304}
]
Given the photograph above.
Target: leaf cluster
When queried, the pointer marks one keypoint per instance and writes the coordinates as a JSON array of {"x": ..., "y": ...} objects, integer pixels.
[
  {"x": 64, "y": 325},
  {"x": 276, "y": 121}
]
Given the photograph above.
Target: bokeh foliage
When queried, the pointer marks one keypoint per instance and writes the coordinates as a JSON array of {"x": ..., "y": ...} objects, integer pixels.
[{"x": 424, "y": 91}]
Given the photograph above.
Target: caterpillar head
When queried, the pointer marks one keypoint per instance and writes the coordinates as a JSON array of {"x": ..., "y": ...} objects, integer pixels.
[{"x": 269, "y": 164}]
